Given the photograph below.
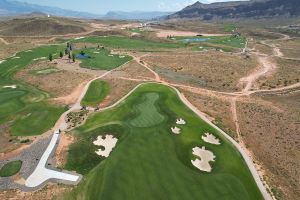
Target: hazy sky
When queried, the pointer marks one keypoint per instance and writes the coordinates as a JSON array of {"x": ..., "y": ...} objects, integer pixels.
[{"x": 103, "y": 6}]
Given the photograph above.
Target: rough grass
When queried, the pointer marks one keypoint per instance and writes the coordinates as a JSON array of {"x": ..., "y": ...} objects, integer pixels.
[
  {"x": 129, "y": 43},
  {"x": 103, "y": 59},
  {"x": 96, "y": 93},
  {"x": 152, "y": 162},
  {"x": 25, "y": 98},
  {"x": 10, "y": 168}
]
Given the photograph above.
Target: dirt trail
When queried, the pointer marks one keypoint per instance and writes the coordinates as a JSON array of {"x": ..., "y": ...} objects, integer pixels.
[
  {"x": 266, "y": 66},
  {"x": 4, "y": 41}
]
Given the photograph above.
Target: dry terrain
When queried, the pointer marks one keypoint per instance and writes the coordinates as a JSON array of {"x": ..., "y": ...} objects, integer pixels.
[
  {"x": 270, "y": 124},
  {"x": 213, "y": 70},
  {"x": 57, "y": 83}
]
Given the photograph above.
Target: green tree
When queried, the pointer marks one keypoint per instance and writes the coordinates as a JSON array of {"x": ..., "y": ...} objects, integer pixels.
[
  {"x": 73, "y": 57},
  {"x": 50, "y": 57},
  {"x": 69, "y": 57},
  {"x": 61, "y": 54}
]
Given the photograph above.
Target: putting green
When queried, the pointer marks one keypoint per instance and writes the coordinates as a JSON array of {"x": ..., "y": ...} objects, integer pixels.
[
  {"x": 102, "y": 59},
  {"x": 151, "y": 162},
  {"x": 10, "y": 168},
  {"x": 95, "y": 94},
  {"x": 26, "y": 106},
  {"x": 148, "y": 115}
]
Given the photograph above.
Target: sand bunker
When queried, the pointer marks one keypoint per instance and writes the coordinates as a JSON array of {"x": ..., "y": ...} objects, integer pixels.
[
  {"x": 41, "y": 58},
  {"x": 176, "y": 130},
  {"x": 28, "y": 51},
  {"x": 205, "y": 157},
  {"x": 106, "y": 141},
  {"x": 121, "y": 56},
  {"x": 78, "y": 38},
  {"x": 180, "y": 121},
  {"x": 110, "y": 55},
  {"x": 210, "y": 138},
  {"x": 96, "y": 52},
  {"x": 10, "y": 86},
  {"x": 2, "y": 61}
]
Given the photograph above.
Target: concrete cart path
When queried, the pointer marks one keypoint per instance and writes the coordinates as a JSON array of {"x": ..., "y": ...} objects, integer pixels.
[{"x": 41, "y": 174}]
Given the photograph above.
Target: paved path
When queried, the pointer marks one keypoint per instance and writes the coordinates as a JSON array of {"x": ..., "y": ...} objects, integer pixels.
[{"x": 41, "y": 174}]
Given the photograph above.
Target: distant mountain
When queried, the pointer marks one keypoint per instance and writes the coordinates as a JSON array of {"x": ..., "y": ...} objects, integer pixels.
[
  {"x": 13, "y": 8},
  {"x": 136, "y": 15},
  {"x": 240, "y": 9}
]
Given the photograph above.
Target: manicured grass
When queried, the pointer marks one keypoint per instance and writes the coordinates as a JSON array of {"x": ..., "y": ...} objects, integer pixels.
[
  {"x": 36, "y": 119},
  {"x": 102, "y": 59},
  {"x": 148, "y": 113},
  {"x": 150, "y": 162},
  {"x": 25, "y": 106},
  {"x": 10, "y": 168},
  {"x": 129, "y": 43},
  {"x": 96, "y": 93},
  {"x": 226, "y": 43}
]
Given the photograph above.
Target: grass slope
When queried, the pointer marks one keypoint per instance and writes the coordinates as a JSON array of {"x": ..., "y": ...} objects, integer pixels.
[
  {"x": 10, "y": 168},
  {"x": 129, "y": 43},
  {"x": 26, "y": 106},
  {"x": 103, "y": 60},
  {"x": 96, "y": 93},
  {"x": 151, "y": 162}
]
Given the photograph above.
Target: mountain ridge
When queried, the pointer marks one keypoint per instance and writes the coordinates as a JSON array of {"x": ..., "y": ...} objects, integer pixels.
[{"x": 240, "y": 9}]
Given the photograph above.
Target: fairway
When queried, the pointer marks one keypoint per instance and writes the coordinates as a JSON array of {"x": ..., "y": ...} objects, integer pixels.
[
  {"x": 25, "y": 106},
  {"x": 102, "y": 59},
  {"x": 150, "y": 162},
  {"x": 129, "y": 43},
  {"x": 10, "y": 168},
  {"x": 226, "y": 43},
  {"x": 96, "y": 93}
]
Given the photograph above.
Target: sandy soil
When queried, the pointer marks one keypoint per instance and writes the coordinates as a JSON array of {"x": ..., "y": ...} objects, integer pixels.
[
  {"x": 108, "y": 142},
  {"x": 176, "y": 130},
  {"x": 210, "y": 138},
  {"x": 205, "y": 156},
  {"x": 58, "y": 84}
]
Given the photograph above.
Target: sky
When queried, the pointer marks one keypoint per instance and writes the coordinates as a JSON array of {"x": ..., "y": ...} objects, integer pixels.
[{"x": 103, "y": 6}]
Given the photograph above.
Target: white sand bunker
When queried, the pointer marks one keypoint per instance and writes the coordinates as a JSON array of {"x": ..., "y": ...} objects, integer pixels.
[
  {"x": 180, "y": 121},
  {"x": 106, "y": 141},
  {"x": 121, "y": 56},
  {"x": 210, "y": 138},
  {"x": 41, "y": 58},
  {"x": 176, "y": 130},
  {"x": 2, "y": 61},
  {"x": 96, "y": 52},
  {"x": 28, "y": 51},
  {"x": 205, "y": 157},
  {"x": 110, "y": 55},
  {"x": 15, "y": 57},
  {"x": 10, "y": 86},
  {"x": 78, "y": 38}
]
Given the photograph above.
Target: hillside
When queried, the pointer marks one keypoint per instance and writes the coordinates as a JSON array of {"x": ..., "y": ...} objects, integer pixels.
[
  {"x": 13, "y": 8},
  {"x": 40, "y": 26},
  {"x": 240, "y": 9}
]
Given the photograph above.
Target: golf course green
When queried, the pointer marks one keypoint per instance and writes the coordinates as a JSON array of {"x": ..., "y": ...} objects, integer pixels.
[
  {"x": 102, "y": 59},
  {"x": 10, "y": 168},
  {"x": 23, "y": 105},
  {"x": 95, "y": 94},
  {"x": 151, "y": 162}
]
